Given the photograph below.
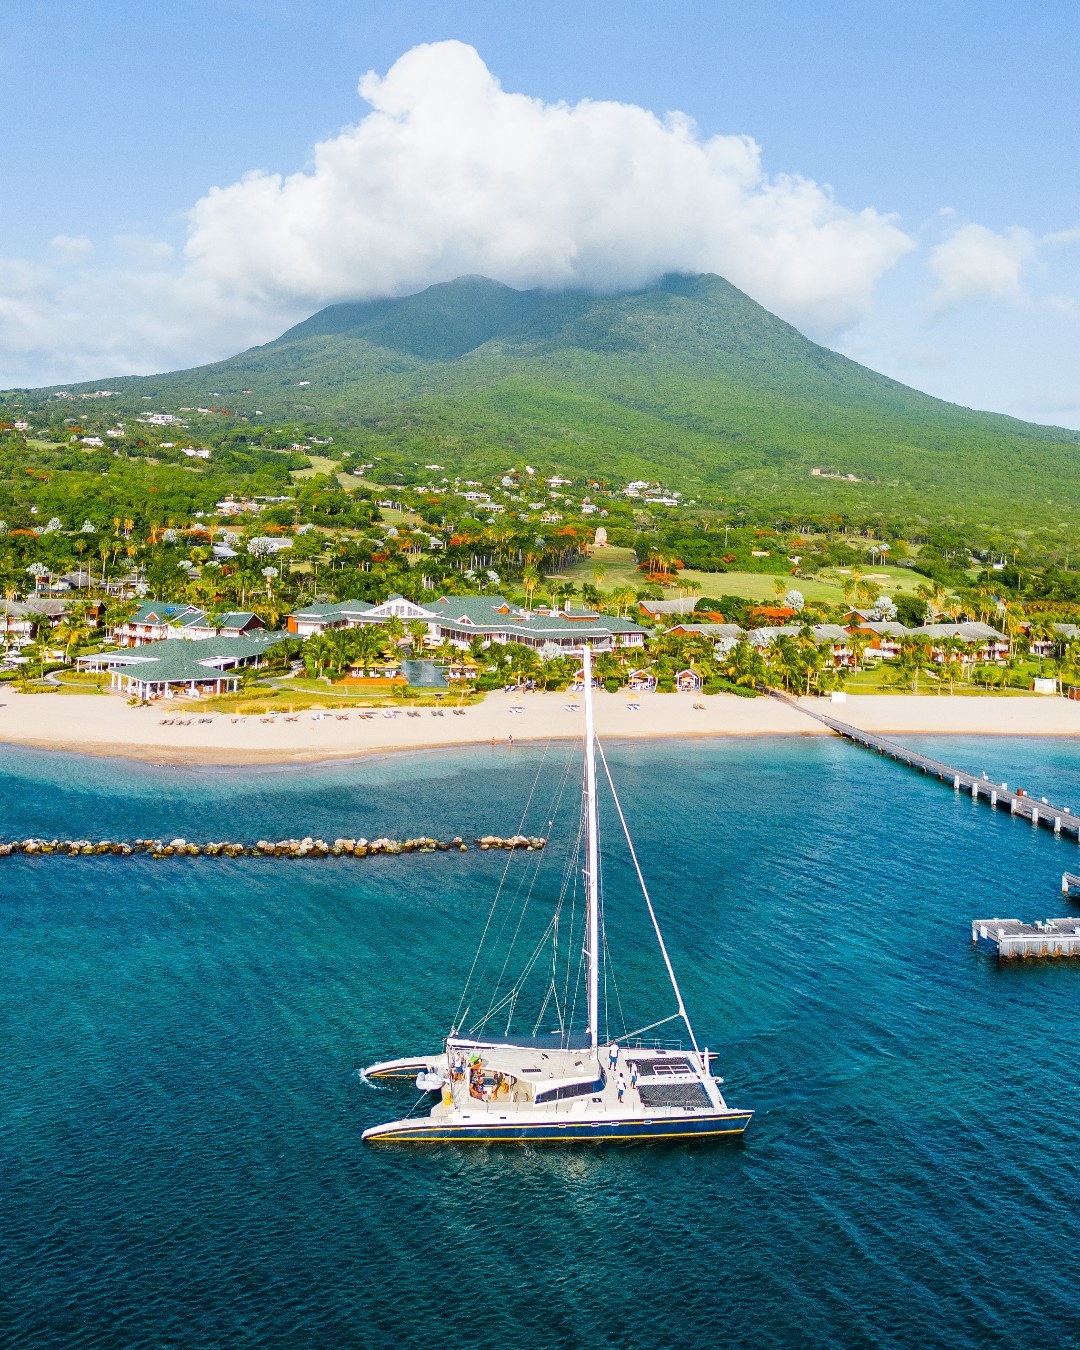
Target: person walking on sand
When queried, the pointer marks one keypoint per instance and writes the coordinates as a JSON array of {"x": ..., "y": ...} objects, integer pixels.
[
  {"x": 613, "y": 1055},
  {"x": 622, "y": 1088}
]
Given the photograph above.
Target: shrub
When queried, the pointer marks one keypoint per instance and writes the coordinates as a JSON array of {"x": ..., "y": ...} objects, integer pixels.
[{"x": 611, "y": 685}]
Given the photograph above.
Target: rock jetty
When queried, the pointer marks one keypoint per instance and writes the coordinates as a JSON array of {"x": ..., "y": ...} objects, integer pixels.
[{"x": 307, "y": 847}]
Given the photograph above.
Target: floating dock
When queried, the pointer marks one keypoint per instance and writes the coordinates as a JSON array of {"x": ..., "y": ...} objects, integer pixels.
[
  {"x": 1037, "y": 810},
  {"x": 1011, "y": 940}
]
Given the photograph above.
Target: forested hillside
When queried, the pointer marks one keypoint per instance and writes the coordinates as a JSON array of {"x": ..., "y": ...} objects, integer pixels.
[{"x": 689, "y": 382}]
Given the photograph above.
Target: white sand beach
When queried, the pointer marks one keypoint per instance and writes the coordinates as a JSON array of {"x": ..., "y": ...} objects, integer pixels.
[{"x": 101, "y": 725}]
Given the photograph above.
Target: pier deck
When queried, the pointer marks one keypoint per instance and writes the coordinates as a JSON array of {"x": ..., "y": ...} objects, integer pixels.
[
  {"x": 1011, "y": 940},
  {"x": 1038, "y": 811}
]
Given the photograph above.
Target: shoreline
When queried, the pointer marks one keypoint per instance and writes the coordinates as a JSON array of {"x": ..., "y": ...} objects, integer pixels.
[{"x": 104, "y": 727}]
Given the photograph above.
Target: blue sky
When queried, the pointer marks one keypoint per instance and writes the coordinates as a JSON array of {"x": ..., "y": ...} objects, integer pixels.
[{"x": 912, "y": 197}]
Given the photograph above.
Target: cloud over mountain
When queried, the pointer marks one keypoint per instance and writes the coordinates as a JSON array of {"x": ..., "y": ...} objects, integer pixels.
[{"x": 447, "y": 174}]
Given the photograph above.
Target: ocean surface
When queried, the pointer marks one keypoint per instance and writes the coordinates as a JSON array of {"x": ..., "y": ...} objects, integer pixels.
[{"x": 180, "y": 1108}]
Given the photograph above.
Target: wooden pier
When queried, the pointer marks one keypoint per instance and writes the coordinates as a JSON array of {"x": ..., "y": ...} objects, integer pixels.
[
  {"x": 1011, "y": 940},
  {"x": 997, "y": 795}
]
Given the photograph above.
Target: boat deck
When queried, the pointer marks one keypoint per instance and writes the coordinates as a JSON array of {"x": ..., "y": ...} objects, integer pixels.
[{"x": 668, "y": 1080}]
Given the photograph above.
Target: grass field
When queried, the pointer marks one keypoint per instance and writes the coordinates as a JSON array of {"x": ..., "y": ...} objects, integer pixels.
[
  {"x": 621, "y": 570},
  {"x": 319, "y": 464}
]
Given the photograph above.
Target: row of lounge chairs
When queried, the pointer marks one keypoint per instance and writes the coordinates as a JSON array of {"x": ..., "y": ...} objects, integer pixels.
[{"x": 321, "y": 716}]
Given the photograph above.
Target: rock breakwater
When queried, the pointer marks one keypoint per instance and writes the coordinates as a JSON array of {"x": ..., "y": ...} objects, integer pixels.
[{"x": 308, "y": 847}]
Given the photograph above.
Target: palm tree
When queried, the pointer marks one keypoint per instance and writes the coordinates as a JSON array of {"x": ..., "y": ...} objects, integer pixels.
[
  {"x": 913, "y": 659},
  {"x": 530, "y": 579},
  {"x": 71, "y": 631},
  {"x": 367, "y": 644},
  {"x": 624, "y": 597},
  {"x": 745, "y": 666},
  {"x": 599, "y": 572},
  {"x": 858, "y": 642}
]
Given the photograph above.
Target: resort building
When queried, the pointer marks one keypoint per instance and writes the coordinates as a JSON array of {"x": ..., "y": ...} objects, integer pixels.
[
  {"x": 983, "y": 642},
  {"x": 461, "y": 618},
  {"x": 22, "y": 618},
  {"x": 154, "y": 621},
  {"x": 177, "y": 666}
]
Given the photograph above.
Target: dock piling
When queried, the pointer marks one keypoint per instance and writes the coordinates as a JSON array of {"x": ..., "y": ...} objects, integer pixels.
[{"x": 1059, "y": 819}]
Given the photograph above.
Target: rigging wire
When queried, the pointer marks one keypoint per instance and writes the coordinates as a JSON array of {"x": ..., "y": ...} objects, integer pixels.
[
  {"x": 524, "y": 906},
  {"x": 491, "y": 912},
  {"x": 649, "y": 905}
]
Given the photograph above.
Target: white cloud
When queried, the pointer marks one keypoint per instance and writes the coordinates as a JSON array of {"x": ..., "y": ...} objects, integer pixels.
[
  {"x": 976, "y": 263},
  {"x": 449, "y": 174},
  {"x": 70, "y": 248}
]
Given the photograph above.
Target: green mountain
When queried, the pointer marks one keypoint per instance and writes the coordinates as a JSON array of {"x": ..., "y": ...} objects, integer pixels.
[{"x": 689, "y": 382}]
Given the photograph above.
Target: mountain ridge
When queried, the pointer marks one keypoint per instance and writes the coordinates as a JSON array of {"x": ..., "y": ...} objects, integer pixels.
[{"x": 689, "y": 381}]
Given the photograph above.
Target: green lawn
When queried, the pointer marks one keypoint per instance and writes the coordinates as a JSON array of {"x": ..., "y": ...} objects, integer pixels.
[
  {"x": 319, "y": 464},
  {"x": 621, "y": 570}
]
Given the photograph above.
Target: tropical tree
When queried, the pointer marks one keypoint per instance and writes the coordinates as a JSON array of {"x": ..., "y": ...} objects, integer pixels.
[
  {"x": 744, "y": 665},
  {"x": 530, "y": 579},
  {"x": 624, "y": 597},
  {"x": 71, "y": 631},
  {"x": 912, "y": 659}
]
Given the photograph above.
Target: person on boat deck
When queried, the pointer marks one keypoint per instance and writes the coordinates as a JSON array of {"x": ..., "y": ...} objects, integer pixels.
[
  {"x": 613, "y": 1055},
  {"x": 634, "y": 1074},
  {"x": 621, "y": 1086}
]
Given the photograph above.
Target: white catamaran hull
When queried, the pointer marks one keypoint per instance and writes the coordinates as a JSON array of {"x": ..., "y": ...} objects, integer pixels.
[{"x": 549, "y": 1130}]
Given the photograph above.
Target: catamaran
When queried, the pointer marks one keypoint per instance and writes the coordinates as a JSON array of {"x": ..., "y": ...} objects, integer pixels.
[{"x": 564, "y": 1085}]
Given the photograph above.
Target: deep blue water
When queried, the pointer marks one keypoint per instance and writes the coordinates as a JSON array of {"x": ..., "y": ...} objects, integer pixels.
[{"x": 180, "y": 1114}]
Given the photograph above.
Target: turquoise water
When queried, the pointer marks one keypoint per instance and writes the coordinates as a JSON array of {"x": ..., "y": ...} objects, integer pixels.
[{"x": 180, "y": 1114}]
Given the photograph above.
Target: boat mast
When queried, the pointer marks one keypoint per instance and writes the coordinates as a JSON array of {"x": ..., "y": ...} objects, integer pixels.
[{"x": 592, "y": 855}]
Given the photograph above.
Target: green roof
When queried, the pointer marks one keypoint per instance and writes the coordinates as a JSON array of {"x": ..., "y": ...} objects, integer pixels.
[{"x": 176, "y": 659}]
